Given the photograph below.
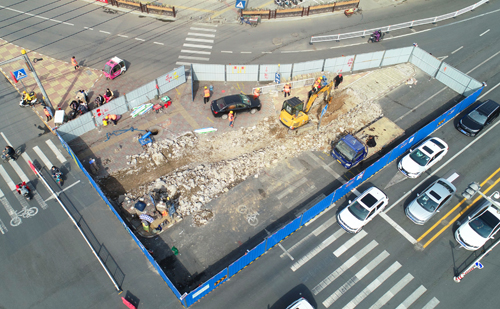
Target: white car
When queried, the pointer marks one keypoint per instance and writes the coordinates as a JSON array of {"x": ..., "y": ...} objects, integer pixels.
[
  {"x": 481, "y": 226},
  {"x": 430, "y": 201},
  {"x": 301, "y": 303},
  {"x": 423, "y": 157},
  {"x": 362, "y": 210}
]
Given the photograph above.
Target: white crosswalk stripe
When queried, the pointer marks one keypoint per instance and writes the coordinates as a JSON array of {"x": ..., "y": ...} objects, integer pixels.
[
  {"x": 195, "y": 52},
  {"x": 203, "y": 29},
  {"x": 56, "y": 151},
  {"x": 355, "y": 279},
  {"x": 194, "y": 58},
  {"x": 43, "y": 157},
  {"x": 197, "y": 46},
  {"x": 393, "y": 291},
  {"x": 37, "y": 196},
  {"x": 432, "y": 303},
  {"x": 199, "y": 33},
  {"x": 412, "y": 298},
  {"x": 206, "y": 35},
  {"x": 199, "y": 40},
  {"x": 348, "y": 244}
]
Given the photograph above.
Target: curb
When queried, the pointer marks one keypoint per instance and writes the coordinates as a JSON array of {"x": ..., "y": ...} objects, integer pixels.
[{"x": 134, "y": 12}]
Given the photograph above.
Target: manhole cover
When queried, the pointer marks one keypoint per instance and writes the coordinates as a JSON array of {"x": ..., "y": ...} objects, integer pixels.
[{"x": 277, "y": 41}]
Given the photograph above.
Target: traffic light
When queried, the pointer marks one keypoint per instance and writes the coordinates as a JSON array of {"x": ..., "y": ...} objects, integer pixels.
[{"x": 471, "y": 190}]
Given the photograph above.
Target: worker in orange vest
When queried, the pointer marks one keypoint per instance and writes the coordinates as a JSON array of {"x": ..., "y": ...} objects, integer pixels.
[
  {"x": 206, "y": 96},
  {"x": 47, "y": 113},
  {"x": 74, "y": 63},
  {"x": 111, "y": 117},
  {"x": 256, "y": 93},
  {"x": 231, "y": 119},
  {"x": 286, "y": 89},
  {"x": 317, "y": 83}
]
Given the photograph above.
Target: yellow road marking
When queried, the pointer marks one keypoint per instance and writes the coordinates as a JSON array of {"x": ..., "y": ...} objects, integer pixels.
[
  {"x": 221, "y": 11},
  {"x": 321, "y": 157},
  {"x": 238, "y": 85},
  {"x": 454, "y": 208},
  {"x": 460, "y": 214},
  {"x": 177, "y": 91},
  {"x": 210, "y": 120}
]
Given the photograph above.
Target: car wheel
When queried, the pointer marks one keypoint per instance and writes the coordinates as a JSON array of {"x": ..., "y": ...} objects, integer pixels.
[
  {"x": 253, "y": 111},
  {"x": 224, "y": 116}
]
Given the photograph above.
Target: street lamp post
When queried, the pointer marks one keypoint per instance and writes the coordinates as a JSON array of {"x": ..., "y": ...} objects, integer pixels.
[{"x": 32, "y": 69}]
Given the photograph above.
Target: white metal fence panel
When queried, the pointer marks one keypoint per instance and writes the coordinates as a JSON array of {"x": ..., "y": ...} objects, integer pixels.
[
  {"x": 397, "y": 56},
  {"x": 279, "y": 87},
  {"x": 424, "y": 61},
  {"x": 307, "y": 67},
  {"x": 367, "y": 61},
  {"x": 77, "y": 127},
  {"x": 142, "y": 94},
  {"x": 242, "y": 73},
  {"x": 339, "y": 64},
  {"x": 267, "y": 71},
  {"x": 171, "y": 80},
  {"x": 209, "y": 72},
  {"x": 455, "y": 79},
  {"x": 117, "y": 106}
]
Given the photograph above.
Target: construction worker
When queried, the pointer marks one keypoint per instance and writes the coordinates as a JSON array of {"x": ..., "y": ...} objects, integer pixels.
[
  {"x": 74, "y": 63},
  {"x": 286, "y": 89},
  {"x": 206, "y": 96},
  {"x": 231, "y": 119},
  {"x": 111, "y": 117},
  {"x": 338, "y": 80},
  {"x": 317, "y": 84},
  {"x": 256, "y": 93},
  {"x": 47, "y": 113}
]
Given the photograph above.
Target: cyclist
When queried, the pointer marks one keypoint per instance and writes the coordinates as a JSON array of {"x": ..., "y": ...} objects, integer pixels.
[
  {"x": 9, "y": 152},
  {"x": 55, "y": 171}
]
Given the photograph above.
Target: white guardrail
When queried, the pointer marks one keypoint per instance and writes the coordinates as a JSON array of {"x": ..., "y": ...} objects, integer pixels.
[
  {"x": 430, "y": 20},
  {"x": 279, "y": 87}
]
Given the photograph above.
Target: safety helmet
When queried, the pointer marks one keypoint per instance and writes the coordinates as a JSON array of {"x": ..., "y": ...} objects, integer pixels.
[
  {"x": 104, "y": 122},
  {"x": 324, "y": 77},
  {"x": 258, "y": 88},
  {"x": 231, "y": 112},
  {"x": 205, "y": 87},
  {"x": 24, "y": 92},
  {"x": 340, "y": 75},
  {"x": 107, "y": 117}
]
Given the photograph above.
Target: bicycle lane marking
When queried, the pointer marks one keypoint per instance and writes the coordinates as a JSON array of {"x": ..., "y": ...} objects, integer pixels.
[
  {"x": 12, "y": 186},
  {"x": 37, "y": 196}
]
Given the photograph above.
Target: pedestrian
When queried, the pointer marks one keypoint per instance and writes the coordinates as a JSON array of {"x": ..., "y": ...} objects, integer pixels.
[
  {"x": 256, "y": 93},
  {"x": 231, "y": 119},
  {"x": 338, "y": 80},
  {"x": 99, "y": 100},
  {"x": 74, "y": 63},
  {"x": 286, "y": 89},
  {"x": 47, "y": 113},
  {"x": 109, "y": 95},
  {"x": 206, "y": 96}
]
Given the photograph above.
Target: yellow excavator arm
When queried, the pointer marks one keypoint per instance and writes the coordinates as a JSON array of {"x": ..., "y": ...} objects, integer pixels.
[{"x": 314, "y": 96}]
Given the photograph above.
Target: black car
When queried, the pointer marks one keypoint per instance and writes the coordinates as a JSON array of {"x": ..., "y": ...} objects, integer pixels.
[
  {"x": 472, "y": 123},
  {"x": 236, "y": 103}
]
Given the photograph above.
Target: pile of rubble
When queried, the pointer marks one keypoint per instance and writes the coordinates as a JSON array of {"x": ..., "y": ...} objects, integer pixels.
[{"x": 208, "y": 166}]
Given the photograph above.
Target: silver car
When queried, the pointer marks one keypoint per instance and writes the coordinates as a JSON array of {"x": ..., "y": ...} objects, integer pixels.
[{"x": 430, "y": 201}]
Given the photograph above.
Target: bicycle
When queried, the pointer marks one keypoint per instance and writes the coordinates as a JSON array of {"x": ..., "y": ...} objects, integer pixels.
[{"x": 16, "y": 155}]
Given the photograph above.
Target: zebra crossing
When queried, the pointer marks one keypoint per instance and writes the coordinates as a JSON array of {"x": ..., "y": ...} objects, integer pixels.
[
  {"x": 198, "y": 44},
  {"x": 379, "y": 280},
  {"x": 12, "y": 172}
]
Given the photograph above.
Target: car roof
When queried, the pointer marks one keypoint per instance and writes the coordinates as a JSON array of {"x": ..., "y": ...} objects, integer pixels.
[
  {"x": 375, "y": 192},
  {"x": 488, "y": 107},
  {"x": 433, "y": 144},
  {"x": 353, "y": 142},
  {"x": 440, "y": 189}
]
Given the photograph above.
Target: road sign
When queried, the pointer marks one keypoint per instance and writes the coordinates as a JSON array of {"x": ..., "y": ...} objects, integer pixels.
[
  {"x": 323, "y": 111},
  {"x": 240, "y": 4},
  {"x": 277, "y": 78},
  {"x": 20, "y": 74},
  {"x": 478, "y": 265}
]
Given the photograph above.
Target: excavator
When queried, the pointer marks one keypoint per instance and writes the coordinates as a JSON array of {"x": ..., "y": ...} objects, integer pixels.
[{"x": 293, "y": 113}]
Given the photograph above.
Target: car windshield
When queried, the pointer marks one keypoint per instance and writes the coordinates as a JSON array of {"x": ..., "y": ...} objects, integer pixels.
[
  {"x": 244, "y": 99},
  {"x": 347, "y": 152},
  {"x": 484, "y": 224},
  {"x": 419, "y": 157},
  {"x": 107, "y": 68},
  {"x": 476, "y": 116},
  {"x": 358, "y": 211},
  {"x": 427, "y": 203},
  {"x": 220, "y": 104}
]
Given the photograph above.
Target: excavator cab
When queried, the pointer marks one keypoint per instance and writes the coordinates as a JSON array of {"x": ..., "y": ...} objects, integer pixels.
[{"x": 292, "y": 113}]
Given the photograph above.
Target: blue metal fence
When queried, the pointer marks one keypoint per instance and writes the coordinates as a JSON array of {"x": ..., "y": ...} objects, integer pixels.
[{"x": 288, "y": 229}]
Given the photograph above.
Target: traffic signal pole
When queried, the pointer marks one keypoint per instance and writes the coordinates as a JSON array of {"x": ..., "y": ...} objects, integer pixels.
[
  {"x": 32, "y": 69},
  {"x": 475, "y": 264}
]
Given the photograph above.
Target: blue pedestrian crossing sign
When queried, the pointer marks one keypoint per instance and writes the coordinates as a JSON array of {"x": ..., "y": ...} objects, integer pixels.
[
  {"x": 277, "y": 78},
  {"x": 20, "y": 74},
  {"x": 240, "y": 4},
  {"x": 323, "y": 111},
  {"x": 478, "y": 265}
]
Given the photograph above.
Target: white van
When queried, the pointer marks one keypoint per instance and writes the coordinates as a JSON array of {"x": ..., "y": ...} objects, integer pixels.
[{"x": 301, "y": 303}]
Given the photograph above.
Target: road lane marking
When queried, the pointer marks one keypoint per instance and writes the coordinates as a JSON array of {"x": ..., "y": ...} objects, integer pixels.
[
  {"x": 106, "y": 32},
  {"x": 51, "y": 197},
  {"x": 55, "y": 20},
  {"x": 197, "y": 46},
  {"x": 199, "y": 40},
  {"x": 355, "y": 279},
  {"x": 56, "y": 151},
  {"x": 348, "y": 244},
  {"x": 460, "y": 214},
  {"x": 244, "y": 52},
  {"x": 484, "y": 32},
  {"x": 412, "y": 298},
  {"x": 373, "y": 286},
  {"x": 324, "y": 244},
  {"x": 477, "y": 66},
  {"x": 344, "y": 267},
  {"x": 194, "y": 58},
  {"x": 122, "y": 36},
  {"x": 393, "y": 291},
  {"x": 43, "y": 157},
  {"x": 195, "y": 52},
  {"x": 88, "y": 28},
  {"x": 37, "y": 16},
  {"x": 431, "y": 304},
  {"x": 69, "y": 24},
  {"x": 203, "y": 29},
  {"x": 457, "y": 50},
  {"x": 441, "y": 167},
  {"x": 267, "y": 52},
  {"x": 139, "y": 39},
  {"x": 226, "y": 51},
  {"x": 158, "y": 43},
  {"x": 484, "y": 94},
  {"x": 202, "y": 34},
  {"x": 185, "y": 63},
  {"x": 398, "y": 228}
]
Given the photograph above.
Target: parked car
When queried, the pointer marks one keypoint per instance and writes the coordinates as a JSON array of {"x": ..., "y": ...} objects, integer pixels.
[
  {"x": 236, "y": 103},
  {"x": 482, "y": 225},
  {"x": 478, "y": 118},
  {"x": 301, "y": 303},
  {"x": 430, "y": 201},
  {"x": 423, "y": 157},
  {"x": 362, "y": 210}
]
